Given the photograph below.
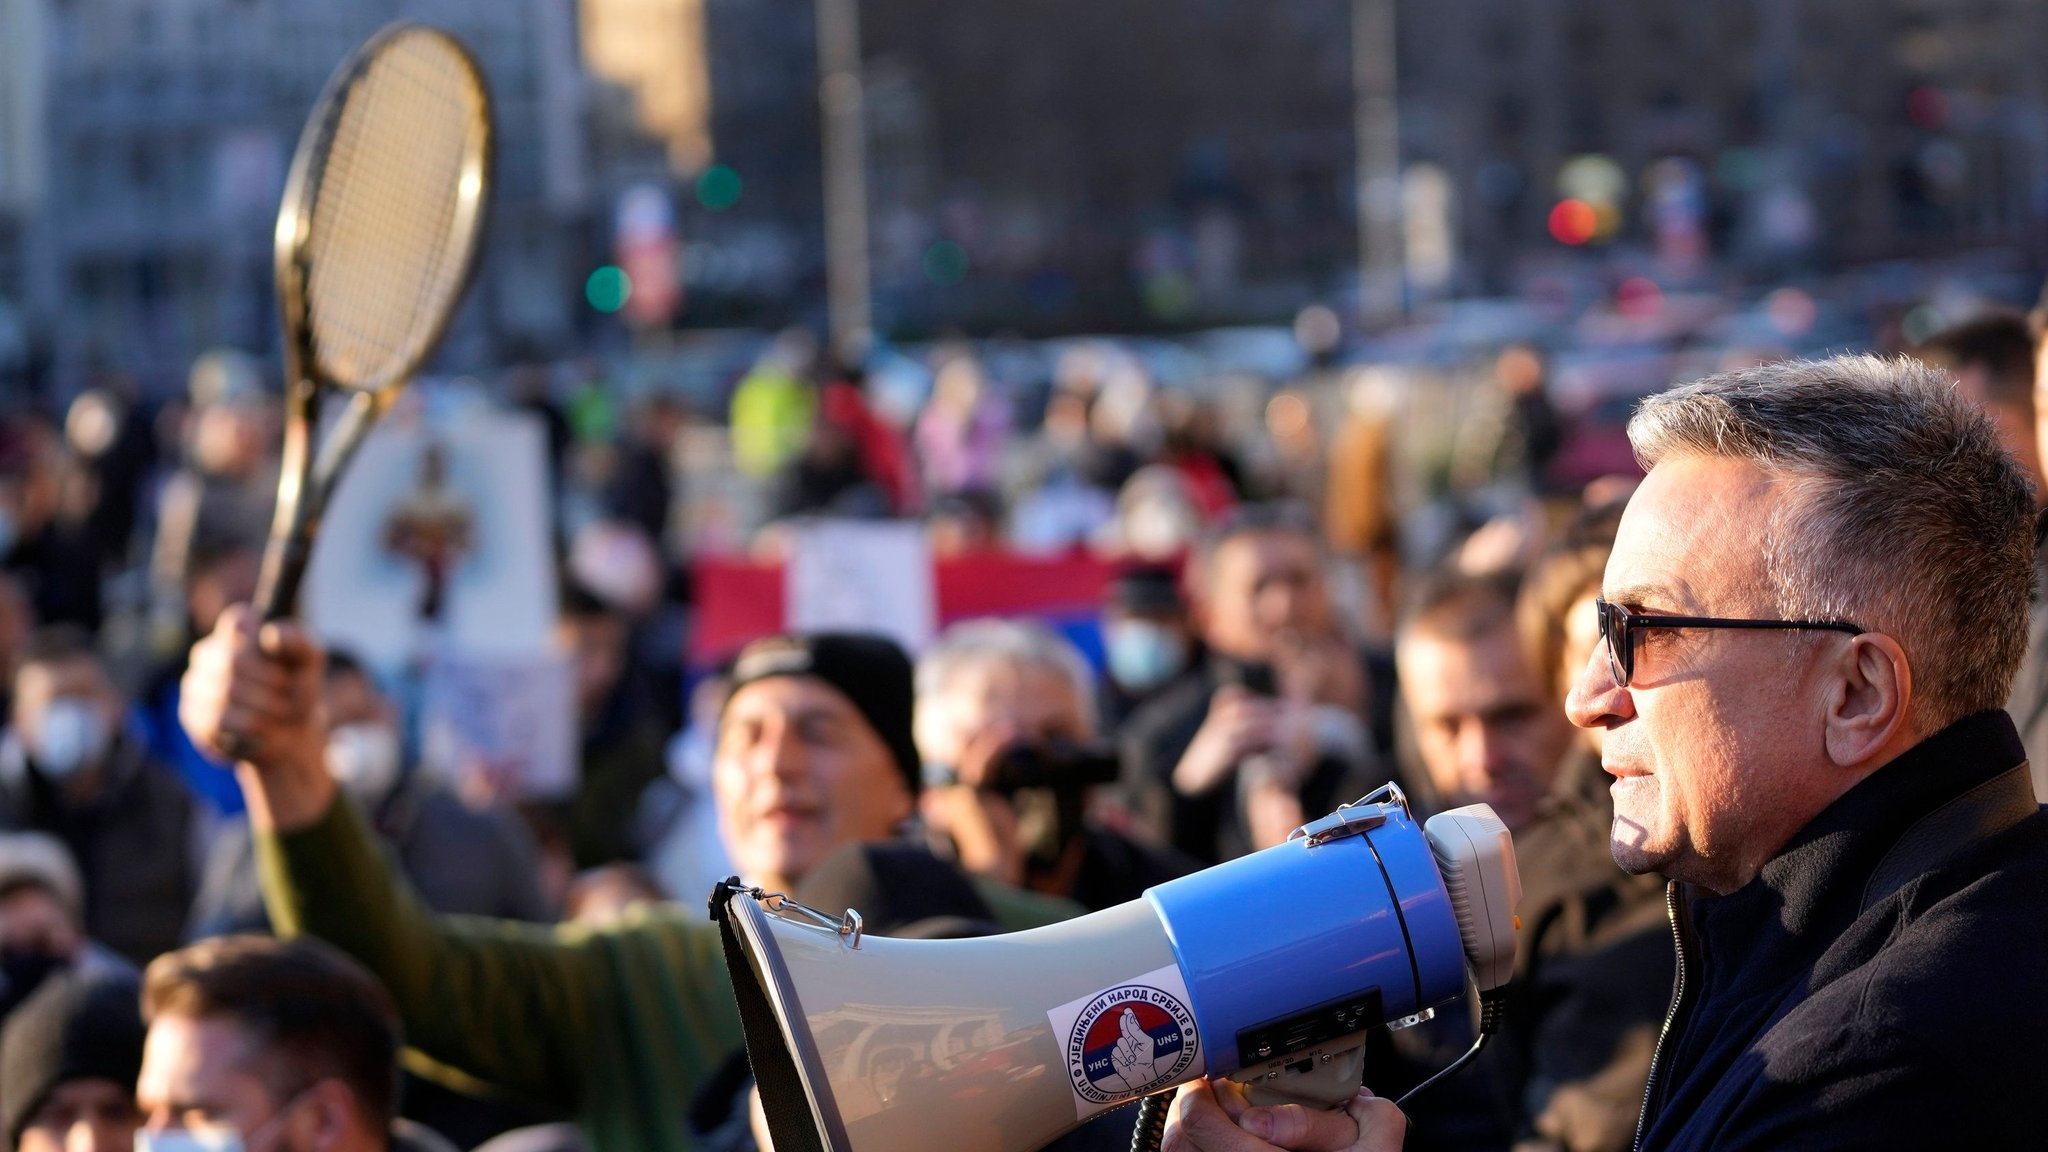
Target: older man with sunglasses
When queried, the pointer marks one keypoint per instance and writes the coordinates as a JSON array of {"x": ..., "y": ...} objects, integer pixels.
[{"x": 1810, "y": 622}]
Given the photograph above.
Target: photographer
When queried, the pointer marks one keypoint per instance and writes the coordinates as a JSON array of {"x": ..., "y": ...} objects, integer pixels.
[{"x": 1005, "y": 727}]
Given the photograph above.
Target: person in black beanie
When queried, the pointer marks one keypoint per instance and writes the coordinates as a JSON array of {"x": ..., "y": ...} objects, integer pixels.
[{"x": 68, "y": 1061}]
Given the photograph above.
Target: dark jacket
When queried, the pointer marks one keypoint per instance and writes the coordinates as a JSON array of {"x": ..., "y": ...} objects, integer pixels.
[
  {"x": 460, "y": 861},
  {"x": 1210, "y": 828},
  {"x": 1807, "y": 1020},
  {"x": 135, "y": 845},
  {"x": 1592, "y": 979}
]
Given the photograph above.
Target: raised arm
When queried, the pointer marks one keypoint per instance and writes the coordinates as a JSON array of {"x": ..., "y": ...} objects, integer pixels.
[{"x": 522, "y": 1007}]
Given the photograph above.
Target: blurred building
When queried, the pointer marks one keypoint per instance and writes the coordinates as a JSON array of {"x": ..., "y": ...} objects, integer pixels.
[
  {"x": 1132, "y": 161},
  {"x": 1807, "y": 132},
  {"x": 1118, "y": 162},
  {"x": 655, "y": 50},
  {"x": 169, "y": 127},
  {"x": 22, "y": 164}
]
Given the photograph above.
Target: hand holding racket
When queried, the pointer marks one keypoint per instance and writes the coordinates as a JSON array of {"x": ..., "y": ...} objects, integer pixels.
[{"x": 376, "y": 239}]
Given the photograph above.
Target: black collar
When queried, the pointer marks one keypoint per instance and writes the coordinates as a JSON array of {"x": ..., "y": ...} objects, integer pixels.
[{"x": 1812, "y": 890}]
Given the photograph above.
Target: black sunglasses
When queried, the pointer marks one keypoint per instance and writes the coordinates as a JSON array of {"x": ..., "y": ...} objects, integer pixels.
[{"x": 1620, "y": 627}]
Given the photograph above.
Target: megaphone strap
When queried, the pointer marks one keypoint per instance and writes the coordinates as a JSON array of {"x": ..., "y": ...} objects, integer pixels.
[{"x": 783, "y": 1102}]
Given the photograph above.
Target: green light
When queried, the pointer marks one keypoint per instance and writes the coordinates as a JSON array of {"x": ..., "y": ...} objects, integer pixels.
[
  {"x": 945, "y": 263},
  {"x": 718, "y": 188},
  {"x": 608, "y": 288}
]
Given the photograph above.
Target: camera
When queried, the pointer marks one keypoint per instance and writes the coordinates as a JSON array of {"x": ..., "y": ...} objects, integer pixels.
[{"x": 1060, "y": 765}]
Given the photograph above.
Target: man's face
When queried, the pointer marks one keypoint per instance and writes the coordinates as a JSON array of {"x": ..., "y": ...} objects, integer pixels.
[
  {"x": 77, "y": 678},
  {"x": 597, "y": 646},
  {"x": 33, "y": 920},
  {"x": 1261, "y": 584},
  {"x": 1025, "y": 702},
  {"x": 1485, "y": 731},
  {"x": 796, "y": 775},
  {"x": 202, "y": 1075},
  {"x": 84, "y": 1115},
  {"x": 1717, "y": 746}
]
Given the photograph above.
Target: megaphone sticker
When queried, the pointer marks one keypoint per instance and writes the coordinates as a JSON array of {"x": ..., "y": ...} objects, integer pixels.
[{"x": 1128, "y": 1040}]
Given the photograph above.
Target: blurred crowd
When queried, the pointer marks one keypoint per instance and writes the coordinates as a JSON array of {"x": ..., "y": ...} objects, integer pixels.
[{"x": 1317, "y": 588}]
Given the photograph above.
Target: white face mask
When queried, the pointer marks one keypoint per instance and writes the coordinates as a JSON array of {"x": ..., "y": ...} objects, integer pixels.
[
  {"x": 187, "y": 1140},
  {"x": 70, "y": 734},
  {"x": 364, "y": 759},
  {"x": 210, "y": 1139},
  {"x": 1143, "y": 654}
]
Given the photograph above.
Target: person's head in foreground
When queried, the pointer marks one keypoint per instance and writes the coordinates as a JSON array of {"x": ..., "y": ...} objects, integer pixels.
[
  {"x": 1858, "y": 523},
  {"x": 264, "y": 1045},
  {"x": 814, "y": 752}
]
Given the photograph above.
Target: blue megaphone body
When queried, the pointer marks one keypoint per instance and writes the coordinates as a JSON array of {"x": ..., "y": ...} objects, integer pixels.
[{"x": 1268, "y": 969}]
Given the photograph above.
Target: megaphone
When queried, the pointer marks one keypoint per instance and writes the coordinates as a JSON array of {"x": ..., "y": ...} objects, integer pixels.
[{"x": 1268, "y": 969}]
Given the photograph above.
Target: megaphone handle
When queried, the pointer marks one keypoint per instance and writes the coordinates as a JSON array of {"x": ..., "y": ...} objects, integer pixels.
[{"x": 1331, "y": 1083}]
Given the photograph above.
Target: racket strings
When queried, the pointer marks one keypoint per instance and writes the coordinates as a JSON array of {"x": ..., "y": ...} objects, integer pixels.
[{"x": 387, "y": 248}]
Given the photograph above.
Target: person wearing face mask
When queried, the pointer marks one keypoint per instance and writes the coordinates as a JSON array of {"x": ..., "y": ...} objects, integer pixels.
[
  {"x": 478, "y": 862},
  {"x": 262, "y": 1045},
  {"x": 71, "y": 765},
  {"x": 1147, "y": 639},
  {"x": 1277, "y": 722}
]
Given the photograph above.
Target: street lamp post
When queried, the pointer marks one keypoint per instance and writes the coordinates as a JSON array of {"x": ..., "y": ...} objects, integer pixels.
[
  {"x": 1376, "y": 121},
  {"x": 846, "y": 196}
]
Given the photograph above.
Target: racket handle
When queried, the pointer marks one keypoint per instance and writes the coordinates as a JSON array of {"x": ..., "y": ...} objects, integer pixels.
[{"x": 284, "y": 568}]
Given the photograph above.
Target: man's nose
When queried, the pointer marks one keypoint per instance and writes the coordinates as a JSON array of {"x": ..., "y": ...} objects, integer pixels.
[
  {"x": 1595, "y": 700},
  {"x": 781, "y": 755}
]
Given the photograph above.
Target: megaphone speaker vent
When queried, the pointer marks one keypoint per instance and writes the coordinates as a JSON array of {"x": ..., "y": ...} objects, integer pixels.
[{"x": 1476, "y": 856}]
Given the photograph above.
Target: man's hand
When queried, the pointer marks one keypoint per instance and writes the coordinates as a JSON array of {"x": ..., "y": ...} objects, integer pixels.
[
  {"x": 1214, "y": 1116},
  {"x": 982, "y": 825},
  {"x": 1239, "y": 724},
  {"x": 253, "y": 694}
]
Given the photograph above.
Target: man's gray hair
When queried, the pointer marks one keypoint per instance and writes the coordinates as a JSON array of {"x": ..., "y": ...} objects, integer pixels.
[
  {"x": 974, "y": 643},
  {"x": 1902, "y": 514}
]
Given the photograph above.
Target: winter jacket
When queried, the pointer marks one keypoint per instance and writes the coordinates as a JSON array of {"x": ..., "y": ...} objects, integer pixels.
[{"x": 1840, "y": 1001}]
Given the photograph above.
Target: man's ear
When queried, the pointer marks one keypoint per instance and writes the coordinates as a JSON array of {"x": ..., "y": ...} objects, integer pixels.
[
  {"x": 1871, "y": 691},
  {"x": 330, "y": 1109}
]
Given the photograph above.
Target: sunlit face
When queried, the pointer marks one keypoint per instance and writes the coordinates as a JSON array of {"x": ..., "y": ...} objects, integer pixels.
[
  {"x": 1024, "y": 702},
  {"x": 1717, "y": 746},
  {"x": 202, "y": 1074},
  {"x": 84, "y": 1115},
  {"x": 1260, "y": 585},
  {"x": 798, "y": 774},
  {"x": 1483, "y": 726}
]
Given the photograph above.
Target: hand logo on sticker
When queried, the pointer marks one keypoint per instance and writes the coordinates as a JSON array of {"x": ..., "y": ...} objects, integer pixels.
[{"x": 1134, "y": 1057}]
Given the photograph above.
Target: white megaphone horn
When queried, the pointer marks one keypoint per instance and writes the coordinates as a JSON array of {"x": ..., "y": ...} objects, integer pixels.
[{"x": 1268, "y": 969}]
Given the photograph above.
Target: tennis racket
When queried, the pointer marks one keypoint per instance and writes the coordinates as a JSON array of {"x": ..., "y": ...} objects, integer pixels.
[{"x": 376, "y": 240}]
